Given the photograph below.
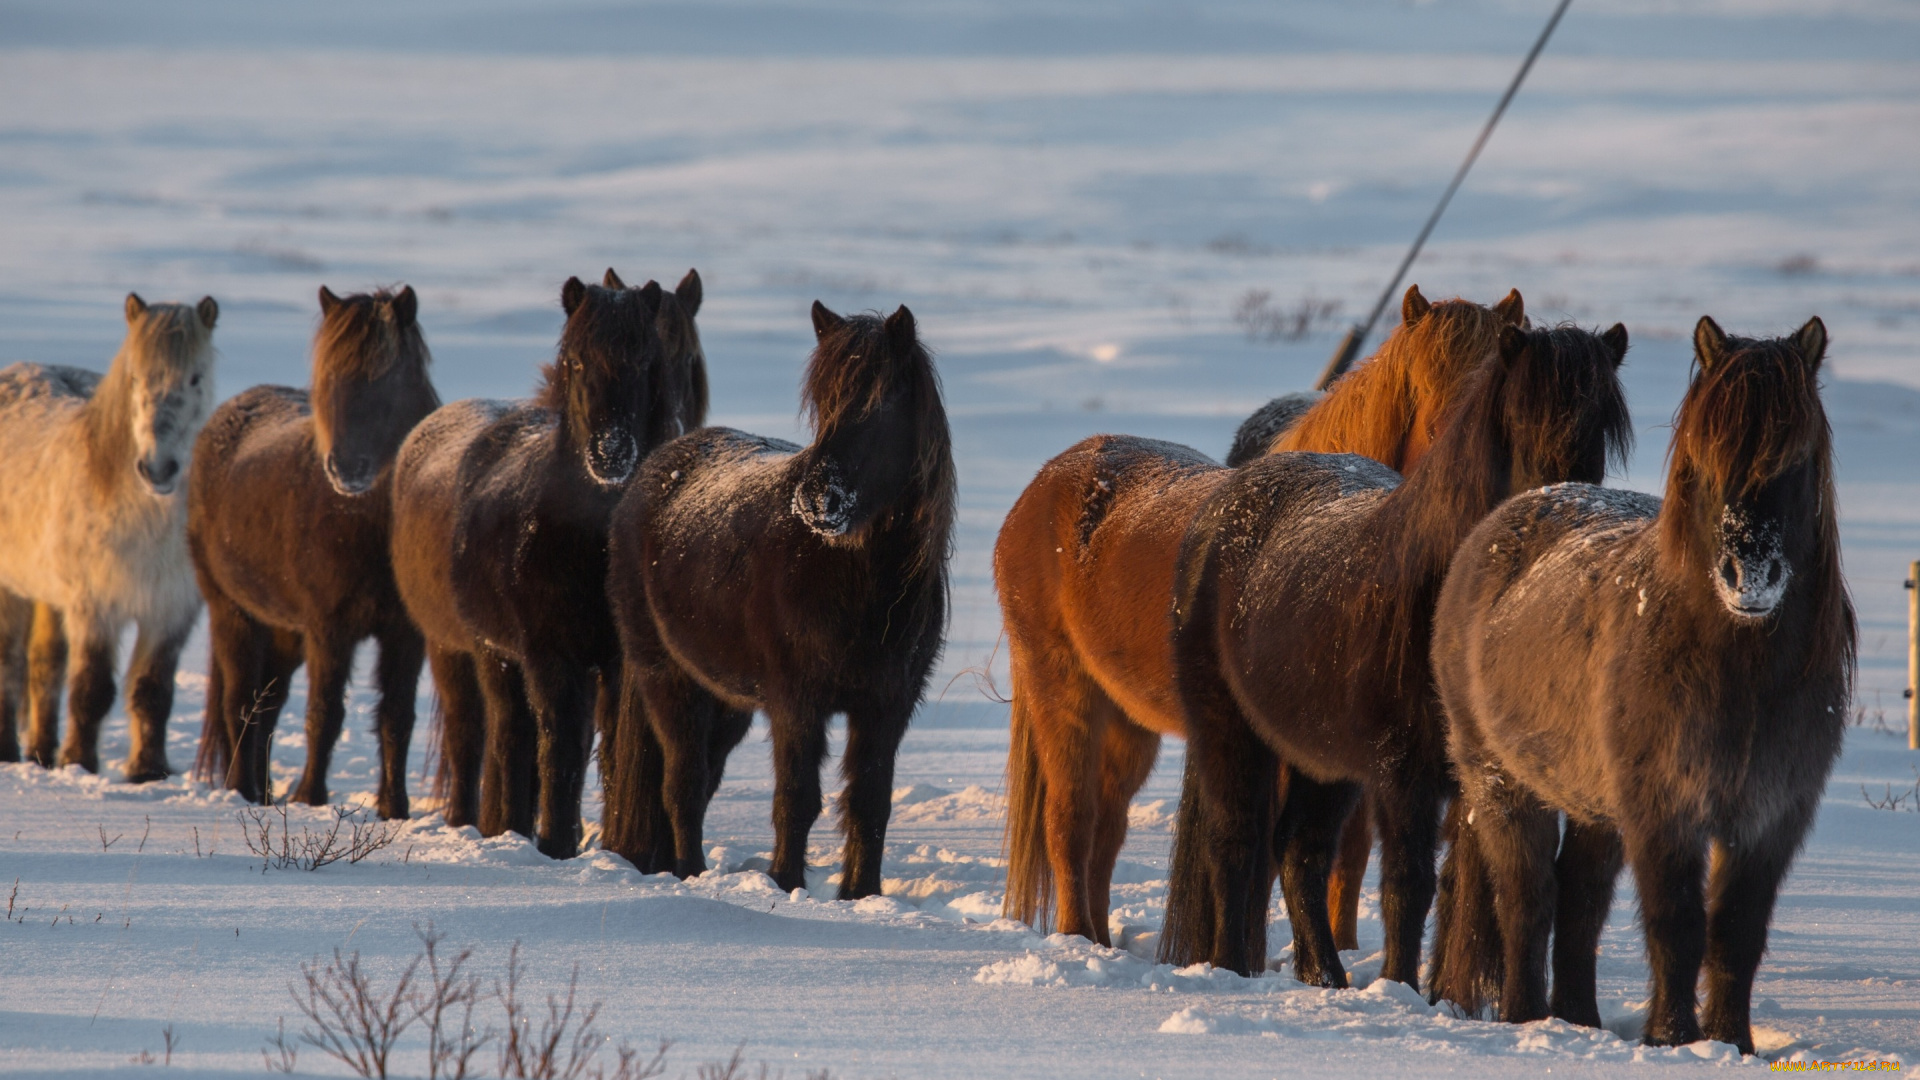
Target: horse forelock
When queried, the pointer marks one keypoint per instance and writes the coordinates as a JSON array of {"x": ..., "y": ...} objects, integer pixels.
[
  {"x": 610, "y": 328},
  {"x": 851, "y": 372},
  {"x": 1373, "y": 410},
  {"x": 169, "y": 336},
  {"x": 1565, "y": 405},
  {"x": 359, "y": 340}
]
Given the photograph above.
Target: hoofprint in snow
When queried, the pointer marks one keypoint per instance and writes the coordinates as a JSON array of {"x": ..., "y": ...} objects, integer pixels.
[{"x": 1107, "y": 219}]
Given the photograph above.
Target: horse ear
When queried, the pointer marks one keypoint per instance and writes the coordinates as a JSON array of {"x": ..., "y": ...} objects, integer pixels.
[
  {"x": 1812, "y": 340},
  {"x": 136, "y": 307},
  {"x": 406, "y": 307},
  {"x": 1413, "y": 306},
  {"x": 1615, "y": 339},
  {"x": 612, "y": 280},
  {"x": 690, "y": 292},
  {"x": 328, "y": 301},
  {"x": 571, "y": 294},
  {"x": 824, "y": 320},
  {"x": 902, "y": 334},
  {"x": 209, "y": 311},
  {"x": 1709, "y": 341},
  {"x": 650, "y": 294},
  {"x": 1513, "y": 343},
  {"x": 1513, "y": 309}
]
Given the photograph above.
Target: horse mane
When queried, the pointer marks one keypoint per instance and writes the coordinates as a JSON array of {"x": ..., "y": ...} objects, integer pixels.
[
  {"x": 1718, "y": 450},
  {"x": 1369, "y": 410},
  {"x": 841, "y": 384},
  {"x": 360, "y": 340},
  {"x": 167, "y": 334}
]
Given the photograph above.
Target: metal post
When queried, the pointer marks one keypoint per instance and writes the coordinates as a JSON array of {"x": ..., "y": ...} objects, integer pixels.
[{"x": 1913, "y": 656}]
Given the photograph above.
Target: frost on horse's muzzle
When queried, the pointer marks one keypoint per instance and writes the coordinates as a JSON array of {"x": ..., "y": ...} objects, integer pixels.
[
  {"x": 1752, "y": 572},
  {"x": 612, "y": 456}
]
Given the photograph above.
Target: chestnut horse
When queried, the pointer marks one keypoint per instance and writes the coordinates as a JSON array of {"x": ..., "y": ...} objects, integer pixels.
[
  {"x": 1305, "y": 593},
  {"x": 499, "y": 548},
  {"x": 1673, "y": 677},
  {"x": 750, "y": 573},
  {"x": 1084, "y": 565},
  {"x": 288, "y": 515}
]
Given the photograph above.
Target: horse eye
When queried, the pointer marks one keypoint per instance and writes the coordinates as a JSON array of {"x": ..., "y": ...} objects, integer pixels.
[{"x": 195, "y": 381}]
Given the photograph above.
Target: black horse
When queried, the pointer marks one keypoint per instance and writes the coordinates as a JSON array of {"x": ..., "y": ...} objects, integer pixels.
[
  {"x": 499, "y": 545},
  {"x": 1674, "y": 677},
  {"x": 1301, "y": 617},
  {"x": 750, "y": 573}
]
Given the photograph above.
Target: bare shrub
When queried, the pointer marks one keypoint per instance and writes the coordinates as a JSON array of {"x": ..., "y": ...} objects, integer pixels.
[
  {"x": 350, "y": 835},
  {"x": 445, "y": 1004},
  {"x": 285, "y": 1055},
  {"x": 348, "y": 1018},
  {"x": 1265, "y": 321},
  {"x": 1904, "y": 799},
  {"x": 564, "y": 1046}
]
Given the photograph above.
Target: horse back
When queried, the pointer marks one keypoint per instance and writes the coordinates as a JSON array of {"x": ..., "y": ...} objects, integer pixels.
[
  {"x": 1084, "y": 564},
  {"x": 1282, "y": 569},
  {"x": 1540, "y": 627},
  {"x": 428, "y": 495}
]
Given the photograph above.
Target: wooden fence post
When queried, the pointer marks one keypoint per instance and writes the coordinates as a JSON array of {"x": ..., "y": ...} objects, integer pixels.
[{"x": 1913, "y": 656}]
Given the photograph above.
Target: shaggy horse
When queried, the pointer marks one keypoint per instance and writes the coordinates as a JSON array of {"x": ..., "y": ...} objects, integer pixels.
[
  {"x": 750, "y": 573},
  {"x": 1673, "y": 676},
  {"x": 288, "y": 515},
  {"x": 499, "y": 548},
  {"x": 1305, "y": 593},
  {"x": 1084, "y": 565},
  {"x": 93, "y": 532}
]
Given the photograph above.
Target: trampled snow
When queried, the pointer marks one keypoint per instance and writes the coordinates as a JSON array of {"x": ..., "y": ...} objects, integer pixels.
[{"x": 1081, "y": 202}]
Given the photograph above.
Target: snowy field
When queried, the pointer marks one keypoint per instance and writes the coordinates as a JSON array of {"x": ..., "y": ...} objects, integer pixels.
[{"x": 1075, "y": 198}]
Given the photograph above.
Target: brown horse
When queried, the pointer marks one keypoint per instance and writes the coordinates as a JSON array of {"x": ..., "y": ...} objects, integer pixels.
[
  {"x": 1084, "y": 566},
  {"x": 1673, "y": 676},
  {"x": 288, "y": 513},
  {"x": 1304, "y": 597}
]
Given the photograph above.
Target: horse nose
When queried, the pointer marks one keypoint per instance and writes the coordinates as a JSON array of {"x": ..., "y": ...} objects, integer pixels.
[
  {"x": 1730, "y": 571},
  {"x": 613, "y": 456},
  {"x": 349, "y": 477},
  {"x": 158, "y": 475}
]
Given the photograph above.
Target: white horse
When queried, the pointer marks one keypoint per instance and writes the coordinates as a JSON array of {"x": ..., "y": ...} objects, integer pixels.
[{"x": 93, "y": 514}]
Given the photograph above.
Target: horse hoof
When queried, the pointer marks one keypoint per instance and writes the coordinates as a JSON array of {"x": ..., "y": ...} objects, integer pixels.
[
  {"x": 392, "y": 809},
  {"x": 148, "y": 773},
  {"x": 86, "y": 761},
  {"x": 558, "y": 849}
]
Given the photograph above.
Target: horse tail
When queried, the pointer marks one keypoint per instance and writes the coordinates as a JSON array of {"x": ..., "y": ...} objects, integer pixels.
[
  {"x": 1029, "y": 874},
  {"x": 1186, "y": 934},
  {"x": 211, "y": 759},
  {"x": 1468, "y": 957}
]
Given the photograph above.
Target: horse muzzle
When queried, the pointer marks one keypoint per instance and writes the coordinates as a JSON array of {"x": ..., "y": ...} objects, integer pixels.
[
  {"x": 612, "y": 456},
  {"x": 1751, "y": 586},
  {"x": 161, "y": 478},
  {"x": 356, "y": 478}
]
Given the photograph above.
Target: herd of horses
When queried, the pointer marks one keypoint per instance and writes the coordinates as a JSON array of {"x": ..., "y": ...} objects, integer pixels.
[{"x": 1402, "y": 610}]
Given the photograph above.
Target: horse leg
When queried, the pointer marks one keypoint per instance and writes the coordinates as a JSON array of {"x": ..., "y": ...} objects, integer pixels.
[
  {"x": 1407, "y": 817},
  {"x": 1468, "y": 957},
  {"x": 507, "y": 769},
  {"x": 1235, "y": 775},
  {"x": 90, "y": 692},
  {"x": 1742, "y": 887},
  {"x": 1516, "y": 836},
  {"x": 1311, "y": 821},
  {"x": 156, "y": 657},
  {"x": 463, "y": 733},
  {"x": 329, "y": 668},
  {"x": 402, "y": 650},
  {"x": 16, "y": 626},
  {"x": 724, "y": 732},
  {"x": 1349, "y": 871},
  {"x": 1667, "y": 874},
  {"x": 1589, "y": 861},
  {"x": 1126, "y": 759},
  {"x": 558, "y": 693},
  {"x": 46, "y": 670},
  {"x": 281, "y": 654},
  {"x": 677, "y": 712},
  {"x": 799, "y": 744},
  {"x": 873, "y": 741}
]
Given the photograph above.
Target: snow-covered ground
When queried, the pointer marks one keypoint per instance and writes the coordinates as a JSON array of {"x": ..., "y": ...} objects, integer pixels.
[{"x": 1075, "y": 198}]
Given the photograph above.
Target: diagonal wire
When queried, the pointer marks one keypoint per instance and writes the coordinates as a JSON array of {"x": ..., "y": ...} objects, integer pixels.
[{"x": 1343, "y": 357}]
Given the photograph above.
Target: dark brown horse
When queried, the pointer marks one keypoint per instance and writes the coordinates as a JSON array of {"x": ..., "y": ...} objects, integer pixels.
[
  {"x": 1084, "y": 565},
  {"x": 1305, "y": 594},
  {"x": 750, "y": 573},
  {"x": 288, "y": 515},
  {"x": 1674, "y": 677},
  {"x": 499, "y": 546}
]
